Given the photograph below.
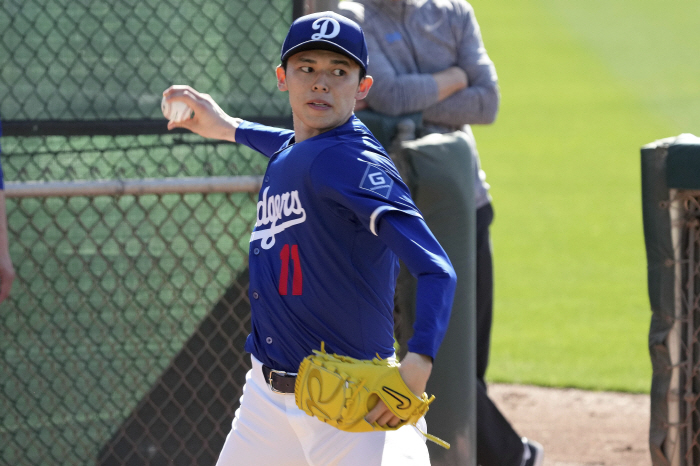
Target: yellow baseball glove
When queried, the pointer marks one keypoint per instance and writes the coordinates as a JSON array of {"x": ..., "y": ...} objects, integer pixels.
[{"x": 340, "y": 391}]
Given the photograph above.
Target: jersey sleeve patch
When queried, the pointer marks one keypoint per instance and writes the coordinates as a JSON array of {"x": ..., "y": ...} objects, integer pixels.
[{"x": 376, "y": 180}]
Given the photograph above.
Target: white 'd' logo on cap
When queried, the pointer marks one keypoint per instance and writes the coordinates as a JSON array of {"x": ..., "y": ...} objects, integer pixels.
[{"x": 322, "y": 24}]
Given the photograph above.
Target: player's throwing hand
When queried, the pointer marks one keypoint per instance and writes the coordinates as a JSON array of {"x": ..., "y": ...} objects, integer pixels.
[{"x": 208, "y": 119}]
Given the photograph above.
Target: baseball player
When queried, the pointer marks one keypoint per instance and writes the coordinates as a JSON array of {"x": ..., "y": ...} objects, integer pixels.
[{"x": 333, "y": 217}]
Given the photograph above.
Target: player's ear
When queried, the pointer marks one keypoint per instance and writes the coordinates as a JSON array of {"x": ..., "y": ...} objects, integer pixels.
[
  {"x": 364, "y": 87},
  {"x": 281, "y": 78}
]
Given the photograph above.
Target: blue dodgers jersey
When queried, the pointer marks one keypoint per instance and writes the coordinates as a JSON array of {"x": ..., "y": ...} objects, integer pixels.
[{"x": 318, "y": 272}]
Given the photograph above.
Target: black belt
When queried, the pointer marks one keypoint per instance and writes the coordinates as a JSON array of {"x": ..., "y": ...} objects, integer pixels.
[{"x": 279, "y": 381}]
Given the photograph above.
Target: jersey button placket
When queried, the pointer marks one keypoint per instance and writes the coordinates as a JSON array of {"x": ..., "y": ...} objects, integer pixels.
[{"x": 256, "y": 295}]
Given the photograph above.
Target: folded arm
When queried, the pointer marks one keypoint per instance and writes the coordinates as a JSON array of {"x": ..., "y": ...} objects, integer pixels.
[{"x": 465, "y": 91}]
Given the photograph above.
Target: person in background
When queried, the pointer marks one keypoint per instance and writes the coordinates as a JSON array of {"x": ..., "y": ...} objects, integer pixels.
[
  {"x": 7, "y": 270},
  {"x": 429, "y": 57}
]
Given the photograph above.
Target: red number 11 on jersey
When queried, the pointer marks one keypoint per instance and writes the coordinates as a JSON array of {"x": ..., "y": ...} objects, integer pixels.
[{"x": 284, "y": 273}]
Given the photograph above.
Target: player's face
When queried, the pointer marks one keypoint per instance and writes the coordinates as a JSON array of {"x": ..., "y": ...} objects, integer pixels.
[{"x": 323, "y": 87}]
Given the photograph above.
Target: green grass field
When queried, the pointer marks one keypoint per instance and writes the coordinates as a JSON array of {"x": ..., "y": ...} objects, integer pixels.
[{"x": 584, "y": 85}]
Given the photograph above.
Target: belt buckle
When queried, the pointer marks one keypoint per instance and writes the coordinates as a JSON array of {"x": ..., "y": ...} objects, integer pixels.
[{"x": 269, "y": 380}]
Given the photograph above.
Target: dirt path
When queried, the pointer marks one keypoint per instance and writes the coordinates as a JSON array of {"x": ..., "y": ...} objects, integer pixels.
[{"x": 579, "y": 428}]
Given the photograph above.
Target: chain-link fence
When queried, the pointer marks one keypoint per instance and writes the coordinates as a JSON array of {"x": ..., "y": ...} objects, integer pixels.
[
  {"x": 671, "y": 208},
  {"x": 122, "y": 340},
  {"x": 683, "y": 397},
  {"x": 110, "y": 60}
]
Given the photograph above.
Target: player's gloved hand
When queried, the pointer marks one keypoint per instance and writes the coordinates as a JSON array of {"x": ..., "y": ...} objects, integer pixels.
[
  {"x": 343, "y": 391},
  {"x": 415, "y": 370},
  {"x": 209, "y": 120}
]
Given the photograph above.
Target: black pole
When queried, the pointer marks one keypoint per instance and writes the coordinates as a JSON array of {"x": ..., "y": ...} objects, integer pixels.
[
  {"x": 131, "y": 127},
  {"x": 298, "y": 9}
]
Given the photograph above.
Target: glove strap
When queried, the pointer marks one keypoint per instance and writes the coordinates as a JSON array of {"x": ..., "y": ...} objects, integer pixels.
[{"x": 434, "y": 439}]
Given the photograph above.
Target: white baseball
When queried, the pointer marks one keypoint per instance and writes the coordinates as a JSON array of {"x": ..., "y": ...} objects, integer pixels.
[{"x": 175, "y": 111}]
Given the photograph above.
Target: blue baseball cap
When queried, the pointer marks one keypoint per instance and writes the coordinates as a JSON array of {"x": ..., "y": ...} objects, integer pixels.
[{"x": 327, "y": 31}]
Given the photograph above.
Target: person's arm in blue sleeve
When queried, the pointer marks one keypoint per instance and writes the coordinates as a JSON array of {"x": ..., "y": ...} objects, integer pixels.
[
  {"x": 413, "y": 242},
  {"x": 409, "y": 237},
  {"x": 210, "y": 121},
  {"x": 265, "y": 139}
]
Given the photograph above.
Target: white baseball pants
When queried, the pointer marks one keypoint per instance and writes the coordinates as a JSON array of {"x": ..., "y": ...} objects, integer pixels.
[{"x": 269, "y": 430}]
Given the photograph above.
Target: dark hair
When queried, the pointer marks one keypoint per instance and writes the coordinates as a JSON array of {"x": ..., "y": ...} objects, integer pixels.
[{"x": 363, "y": 72}]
